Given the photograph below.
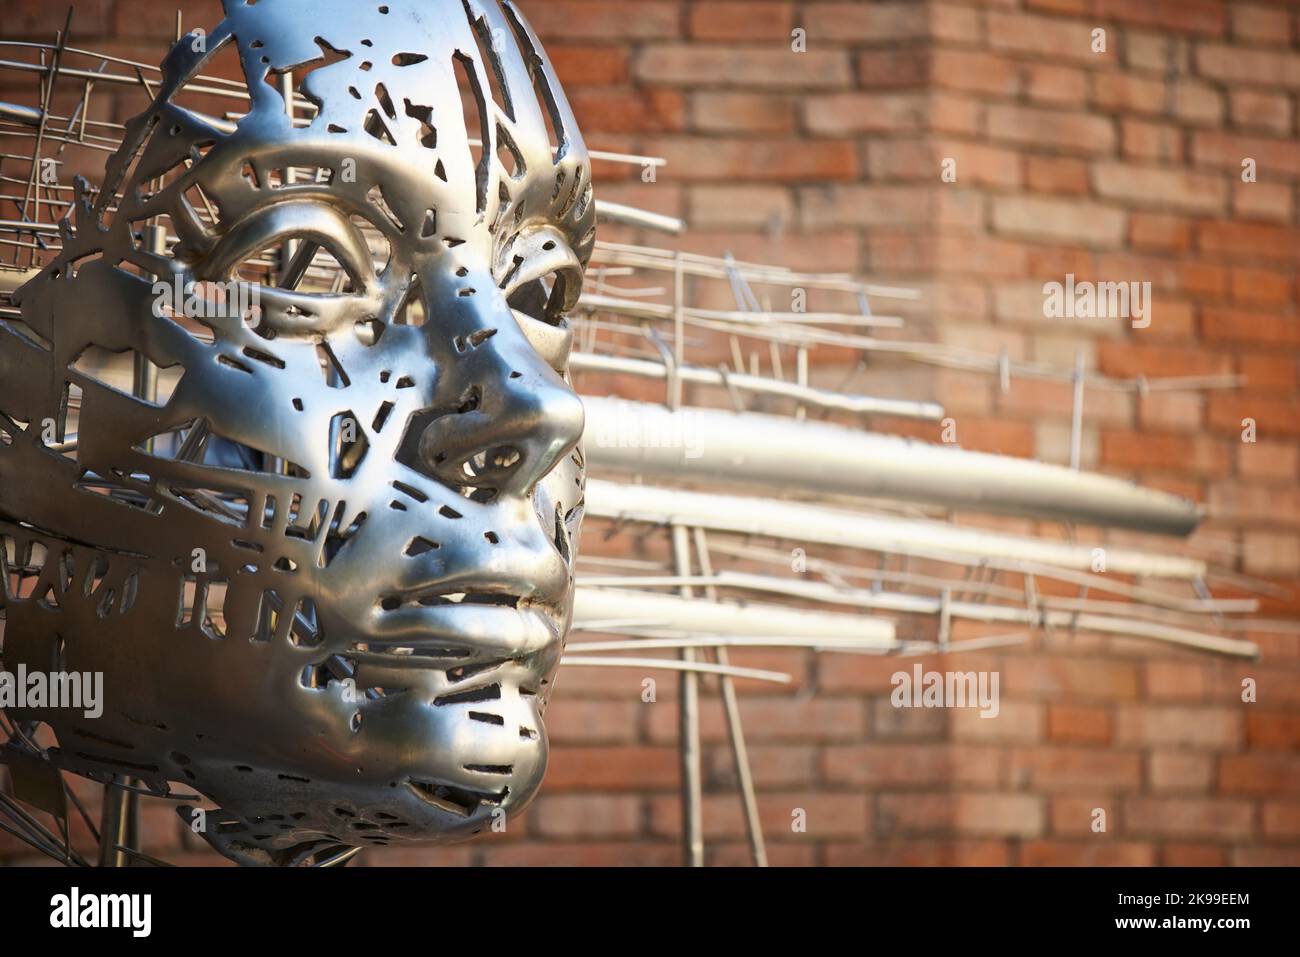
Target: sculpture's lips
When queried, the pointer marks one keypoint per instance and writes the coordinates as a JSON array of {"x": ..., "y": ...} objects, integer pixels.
[{"x": 447, "y": 631}]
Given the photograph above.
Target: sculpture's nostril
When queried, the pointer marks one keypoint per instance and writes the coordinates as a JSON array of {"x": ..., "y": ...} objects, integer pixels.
[{"x": 492, "y": 463}]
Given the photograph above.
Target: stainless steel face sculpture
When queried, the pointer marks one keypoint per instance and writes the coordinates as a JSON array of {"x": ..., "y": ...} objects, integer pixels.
[{"x": 328, "y": 579}]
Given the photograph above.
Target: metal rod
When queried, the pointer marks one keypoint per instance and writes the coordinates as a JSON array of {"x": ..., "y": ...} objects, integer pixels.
[
  {"x": 735, "y": 728},
  {"x": 116, "y": 825},
  {"x": 689, "y": 733},
  {"x": 842, "y": 527}
]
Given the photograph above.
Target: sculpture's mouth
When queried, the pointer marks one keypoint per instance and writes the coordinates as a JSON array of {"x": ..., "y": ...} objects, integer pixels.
[{"x": 446, "y": 630}]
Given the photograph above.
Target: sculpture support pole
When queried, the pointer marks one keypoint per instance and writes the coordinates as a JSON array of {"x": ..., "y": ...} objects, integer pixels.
[
  {"x": 692, "y": 788},
  {"x": 735, "y": 728},
  {"x": 117, "y": 822}
]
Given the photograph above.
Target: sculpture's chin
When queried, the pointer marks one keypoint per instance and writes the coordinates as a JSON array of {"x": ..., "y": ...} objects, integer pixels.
[{"x": 271, "y": 818}]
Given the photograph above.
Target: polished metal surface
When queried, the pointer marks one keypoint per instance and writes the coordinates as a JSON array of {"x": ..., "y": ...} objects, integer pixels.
[
  {"x": 327, "y": 575},
  {"x": 773, "y": 451}
]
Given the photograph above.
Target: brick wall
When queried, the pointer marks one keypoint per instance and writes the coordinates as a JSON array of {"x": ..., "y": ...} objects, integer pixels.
[{"x": 1121, "y": 165}]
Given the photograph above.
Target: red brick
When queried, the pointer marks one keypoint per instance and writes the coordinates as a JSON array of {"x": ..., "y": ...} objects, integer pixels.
[
  {"x": 1273, "y": 417},
  {"x": 974, "y": 72},
  {"x": 840, "y": 114},
  {"x": 894, "y": 765},
  {"x": 618, "y": 769},
  {"x": 1259, "y": 773},
  {"x": 1197, "y": 727},
  {"x": 1151, "y": 141},
  {"x": 721, "y": 112},
  {"x": 1274, "y": 157},
  {"x": 1066, "y": 769},
  {"x": 1259, "y": 24},
  {"x": 38, "y": 19},
  {"x": 1079, "y": 724},
  {"x": 1281, "y": 819},
  {"x": 1180, "y": 771},
  {"x": 1055, "y": 174},
  {"x": 1175, "y": 854},
  {"x": 919, "y": 852},
  {"x": 1249, "y": 241},
  {"x": 1122, "y": 92},
  {"x": 1086, "y": 854},
  {"x": 772, "y": 719},
  {"x": 1050, "y": 83},
  {"x": 1210, "y": 818},
  {"x": 705, "y": 64},
  {"x": 1053, "y": 677},
  {"x": 582, "y": 853},
  {"x": 1233, "y": 64},
  {"x": 1053, "y": 129},
  {"x": 585, "y": 815},
  {"x": 974, "y": 814},
  {"x": 703, "y": 158},
  {"x": 1237, "y": 325},
  {"x": 1159, "y": 231},
  {"x": 1262, "y": 286},
  {"x": 852, "y": 22},
  {"x": 1175, "y": 680},
  {"x": 1145, "y": 186},
  {"x": 1050, "y": 37},
  {"x": 1203, "y": 17},
  {"x": 893, "y": 69},
  {"x": 599, "y": 20},
  {"x": 1268, "y": 461},
  {"x": 1269, "y": 202},
  {"x": 581, "y": 66},
  {"x": 608, "y": 111},
  {"x": 1252, "y": 109},
  {"x": 754, "y": 207},
  {"x": 751, "y": 20},
  {"x": 1144, "y": 451},
  {"x": 827, "y": 815},
  {"x": 1076, "y": 222}
]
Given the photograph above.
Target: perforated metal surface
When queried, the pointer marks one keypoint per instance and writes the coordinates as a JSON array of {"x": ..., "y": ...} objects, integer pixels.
[{"x": 380, "y": 478}]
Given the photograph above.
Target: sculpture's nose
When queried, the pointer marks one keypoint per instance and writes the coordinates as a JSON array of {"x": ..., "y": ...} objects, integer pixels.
[{"x": 505, "y": 416}]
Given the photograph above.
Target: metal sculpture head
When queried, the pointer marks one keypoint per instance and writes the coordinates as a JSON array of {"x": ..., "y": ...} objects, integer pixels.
[{"x": 327, "y": 579}]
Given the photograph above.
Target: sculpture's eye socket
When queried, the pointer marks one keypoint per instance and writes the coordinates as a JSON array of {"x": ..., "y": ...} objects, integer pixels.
[
  {"x": 542, "y": 299},
  {"x": 314, "y": 268},
  {"x": 303, "y": 265},
  {"x": 541, "y": 278},
  {"x": 252, "y": 249}
]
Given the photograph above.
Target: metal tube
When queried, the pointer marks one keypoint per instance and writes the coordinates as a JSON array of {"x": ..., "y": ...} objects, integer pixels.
[
  {"x": 735, "y": 729},
  {"x": 689, "y": 733},
  {"x": 829, "y": 526},
  {"x": 808, "y": 395},
  {"x": 683, "y": 614},
  {"x": 608, "y": 212},
  {"x": 117, "y": 823},
  {"x": 782, "y": 452}
]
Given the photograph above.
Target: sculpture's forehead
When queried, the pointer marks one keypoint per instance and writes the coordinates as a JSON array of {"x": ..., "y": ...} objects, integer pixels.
[{"x": 453, "y": 97}]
